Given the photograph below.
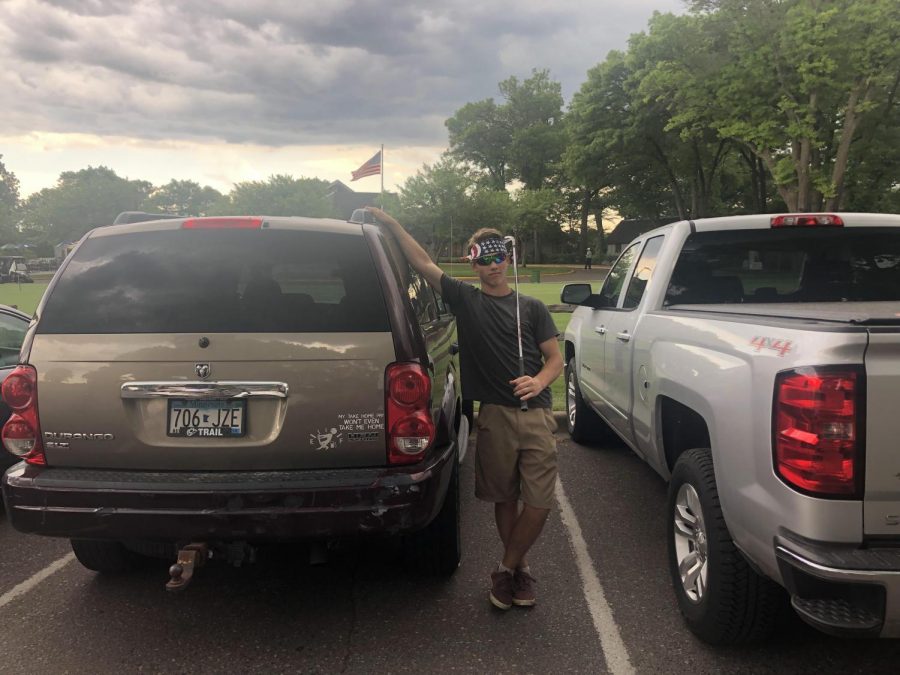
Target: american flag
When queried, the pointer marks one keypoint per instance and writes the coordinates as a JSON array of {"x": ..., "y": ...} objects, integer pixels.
[{"x": 370, "y": 168}]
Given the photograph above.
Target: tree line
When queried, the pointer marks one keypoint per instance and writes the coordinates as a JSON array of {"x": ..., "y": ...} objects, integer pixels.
[{"x": 737, "y": 106}]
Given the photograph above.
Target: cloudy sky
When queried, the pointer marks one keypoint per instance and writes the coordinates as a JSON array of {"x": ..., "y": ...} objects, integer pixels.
[{"x": 222, "y": 91}]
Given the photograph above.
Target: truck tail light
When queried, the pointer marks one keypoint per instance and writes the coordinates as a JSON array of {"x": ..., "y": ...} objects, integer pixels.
[
  {"x": 807, "y": 220},
  {"x": 410, "y": 429},
  {"x": 22, "y": 432},
  {"x": 819, "y": 430},
  {"x": 223, "y": 223}
]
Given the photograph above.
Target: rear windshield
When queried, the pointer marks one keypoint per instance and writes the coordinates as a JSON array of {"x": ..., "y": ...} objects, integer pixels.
[
  {"x": 230, "y": 281},
  {"x": 787, "y": 265}
]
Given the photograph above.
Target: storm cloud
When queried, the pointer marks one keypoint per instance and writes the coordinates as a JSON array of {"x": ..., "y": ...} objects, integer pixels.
[{"x": 288, "y": 73}]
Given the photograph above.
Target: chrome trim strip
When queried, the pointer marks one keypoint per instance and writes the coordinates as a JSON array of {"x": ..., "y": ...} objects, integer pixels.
[{"x": 201, "y": 390}]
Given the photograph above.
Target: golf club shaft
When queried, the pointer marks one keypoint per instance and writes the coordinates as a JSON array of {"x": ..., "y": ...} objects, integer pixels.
[{"x": 524, "y": 403}]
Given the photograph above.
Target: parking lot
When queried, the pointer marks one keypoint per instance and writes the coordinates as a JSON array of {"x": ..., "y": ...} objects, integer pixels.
[{"x": 603, "y": 607}]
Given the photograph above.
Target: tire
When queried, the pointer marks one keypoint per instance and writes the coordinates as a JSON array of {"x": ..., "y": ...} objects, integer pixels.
[
  {"x": 724, "y": 601},
  {"x": 437, "y": 550},
  {"x": 583, "y": 424},
  {"x": 105, "y": 557}
]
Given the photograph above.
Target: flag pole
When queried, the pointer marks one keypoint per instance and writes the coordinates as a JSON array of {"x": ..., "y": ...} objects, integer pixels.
[
  {"x": 382, "y": 175},
  {"x": 450, "y": 257}
]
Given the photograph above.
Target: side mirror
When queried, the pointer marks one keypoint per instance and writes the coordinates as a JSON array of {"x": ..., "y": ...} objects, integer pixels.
[
  {"x": 580, "y": 294},
  {"x": 575, "y": 294}
]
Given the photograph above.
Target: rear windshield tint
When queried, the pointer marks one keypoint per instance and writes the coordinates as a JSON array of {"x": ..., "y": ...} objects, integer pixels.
[
  {"x": 229, "y": 281},
  {"x": 789, "y": 265}
]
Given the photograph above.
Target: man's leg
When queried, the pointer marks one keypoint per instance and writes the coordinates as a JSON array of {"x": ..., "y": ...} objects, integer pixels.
[
  {"x": 524, "y": 533},
  {"x": 506, "y": 514}
]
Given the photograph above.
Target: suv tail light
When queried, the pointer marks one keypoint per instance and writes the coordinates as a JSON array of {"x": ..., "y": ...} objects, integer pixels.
[
  {"x": 819, "y": 430},
  {"x": 807, "y": 220},
  {"x": 22, "y": 431},
  {"x": 410, "y": 429}
]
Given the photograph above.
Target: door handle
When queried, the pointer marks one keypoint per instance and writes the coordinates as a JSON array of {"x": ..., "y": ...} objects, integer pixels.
[
  {"x": 600, "y": 329},
  {"x": 623, "y": 336}
]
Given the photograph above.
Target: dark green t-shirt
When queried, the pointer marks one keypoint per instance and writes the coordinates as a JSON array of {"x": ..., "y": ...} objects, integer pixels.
[{"x": 488, "y": 343}]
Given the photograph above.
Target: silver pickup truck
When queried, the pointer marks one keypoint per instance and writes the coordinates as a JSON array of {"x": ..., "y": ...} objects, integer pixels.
[{"x": 754, "y": 363}]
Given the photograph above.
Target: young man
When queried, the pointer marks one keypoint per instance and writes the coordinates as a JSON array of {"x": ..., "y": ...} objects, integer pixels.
[
  {"x": 588, "y": 256},
  {"x": 515, "y": 452}
]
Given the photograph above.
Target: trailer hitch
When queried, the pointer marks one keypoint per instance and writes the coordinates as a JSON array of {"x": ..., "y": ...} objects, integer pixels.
[{"x": 190, "y": 557}]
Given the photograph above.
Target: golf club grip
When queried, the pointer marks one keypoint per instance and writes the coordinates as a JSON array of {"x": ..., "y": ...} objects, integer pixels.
[{"x": 524, "y": 405}]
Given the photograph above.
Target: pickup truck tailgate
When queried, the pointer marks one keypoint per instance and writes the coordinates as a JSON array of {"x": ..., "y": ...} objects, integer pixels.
[{"x": 882, "y": 498}]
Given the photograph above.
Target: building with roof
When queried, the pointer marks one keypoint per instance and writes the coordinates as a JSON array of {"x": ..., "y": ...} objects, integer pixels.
[
  {"x": 627, "y": 230},
  {"x": 346, "y": 200}
]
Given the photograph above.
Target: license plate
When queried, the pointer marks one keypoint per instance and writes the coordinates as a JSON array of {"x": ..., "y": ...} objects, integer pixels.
[{"x": 213, "y": 418}]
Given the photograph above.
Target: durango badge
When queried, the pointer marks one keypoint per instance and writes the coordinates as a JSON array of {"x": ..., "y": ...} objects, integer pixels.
[{"x": 203, "y": 370}]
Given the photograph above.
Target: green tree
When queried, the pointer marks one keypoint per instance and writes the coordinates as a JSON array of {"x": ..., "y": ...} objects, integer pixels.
[
  {"x": 534, "y": 114},
  {"x": 279, "y": 195},
  {"x": 182, "y": 197},
  {"x": 537, "y": 217},
  {"x": 480, "y": 135},
  {"x": 432, "y": 199},
  {"x": 80, "y": 201},
  {"x": 797, "y": 81},
  {"x": 619, "y": 146},
  {"x": 520, "y": 139},
  {"x": 9, "y": 203}
]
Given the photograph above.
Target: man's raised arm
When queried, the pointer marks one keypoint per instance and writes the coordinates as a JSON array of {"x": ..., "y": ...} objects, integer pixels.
[{"x": 418, "y": 258}]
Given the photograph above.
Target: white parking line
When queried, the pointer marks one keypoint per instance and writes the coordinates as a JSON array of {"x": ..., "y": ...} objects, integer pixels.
[
  {"x": 614, "y": 650},
  {"x": 34, "y": 580}
]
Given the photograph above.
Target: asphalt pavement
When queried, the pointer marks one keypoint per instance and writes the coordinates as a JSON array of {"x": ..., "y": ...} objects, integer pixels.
[{"x": 605, "y": 603}]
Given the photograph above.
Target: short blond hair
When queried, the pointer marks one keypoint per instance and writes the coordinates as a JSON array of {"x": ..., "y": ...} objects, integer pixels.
[{"x": 481, "y": 235}]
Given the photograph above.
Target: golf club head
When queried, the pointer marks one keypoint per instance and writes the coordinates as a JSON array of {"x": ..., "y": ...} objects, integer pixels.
[{"x": 509, "y": 239}]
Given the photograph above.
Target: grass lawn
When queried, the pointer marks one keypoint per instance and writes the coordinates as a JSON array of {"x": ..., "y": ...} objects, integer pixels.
[
  {"x": 465, "y": 270},
  {"x": 24, "y": 296},
  {"x": 27, "y": 296},
  {"x": 549, "y": 294}
]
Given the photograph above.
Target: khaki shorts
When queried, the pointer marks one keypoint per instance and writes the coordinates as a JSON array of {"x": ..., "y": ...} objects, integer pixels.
[{"x": 515, "y": 455}]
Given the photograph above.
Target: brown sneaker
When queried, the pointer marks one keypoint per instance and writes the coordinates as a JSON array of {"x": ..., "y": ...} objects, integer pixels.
[
  {"x": 523, "y": 589},
  {"x": 502, "y": 590}
]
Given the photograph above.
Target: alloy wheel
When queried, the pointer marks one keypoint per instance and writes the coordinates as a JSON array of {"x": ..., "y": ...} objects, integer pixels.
[
  {"x": 691, "y": 543},
  {"x": 570, "y": 398}
]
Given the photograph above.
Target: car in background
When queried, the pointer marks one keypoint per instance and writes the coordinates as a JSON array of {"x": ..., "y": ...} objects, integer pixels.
[
  {"x": 13, "y": 326},
  {"x": 213, "y": 383},
  {"x": 13, "y": 269}
]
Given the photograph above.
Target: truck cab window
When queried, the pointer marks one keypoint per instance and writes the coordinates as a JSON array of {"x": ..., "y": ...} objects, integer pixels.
[
  {"x": 617, "y": 276},
  {"x": 642, "y": 273}
]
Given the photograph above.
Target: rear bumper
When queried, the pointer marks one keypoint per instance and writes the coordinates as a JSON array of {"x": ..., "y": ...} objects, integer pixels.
[
  {"x": 842, "y": 590},
  {"x": 252, "y": 506}
]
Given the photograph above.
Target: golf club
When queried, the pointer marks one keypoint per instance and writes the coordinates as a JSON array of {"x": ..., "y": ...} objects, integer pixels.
[{"x": 511, "y": 241}]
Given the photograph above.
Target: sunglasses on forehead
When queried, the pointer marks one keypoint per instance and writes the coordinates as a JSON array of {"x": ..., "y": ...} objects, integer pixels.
[{"x": 486, "y": 260}]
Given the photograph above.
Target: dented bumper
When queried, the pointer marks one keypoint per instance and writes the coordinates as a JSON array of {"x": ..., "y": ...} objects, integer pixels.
[{"x": 241, "y": 505}]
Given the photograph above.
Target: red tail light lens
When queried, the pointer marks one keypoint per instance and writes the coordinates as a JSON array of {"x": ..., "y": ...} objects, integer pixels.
[
  {"x": 226, "y": 223},
  {"x": 409, "y": 385},
  {"x": 18, "y": 388},
  {"x": 410, "y": 429},
  {"x": 818, "y": 434},
  {"x": 807, "y": 220},
  {"x": 22, "y": 432}
]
